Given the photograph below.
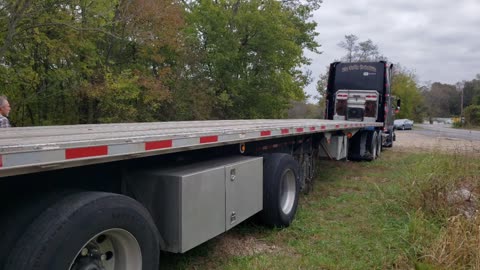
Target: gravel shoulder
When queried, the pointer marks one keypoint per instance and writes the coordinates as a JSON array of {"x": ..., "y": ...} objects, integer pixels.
[{"x": 408, "y": 141}]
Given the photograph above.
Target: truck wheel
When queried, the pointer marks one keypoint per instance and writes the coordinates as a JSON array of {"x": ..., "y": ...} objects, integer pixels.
[
  {"x": 89, "y": 231},
  {"x": 390, "y": 140},
  {"x": 281, "y": 186},
  {"x": 372, "y": 142},
  {"x": 379, "y": 144}
]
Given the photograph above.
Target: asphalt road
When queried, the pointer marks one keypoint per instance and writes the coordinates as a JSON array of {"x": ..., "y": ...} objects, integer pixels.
[{"x": 444, "y": 131}]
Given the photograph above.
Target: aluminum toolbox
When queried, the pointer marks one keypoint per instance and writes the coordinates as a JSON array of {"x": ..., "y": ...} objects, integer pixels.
[{"x": 194, "y": 203}]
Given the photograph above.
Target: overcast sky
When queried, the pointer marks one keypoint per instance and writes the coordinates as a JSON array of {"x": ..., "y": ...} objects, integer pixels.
[{"x": 438, "y": 39}]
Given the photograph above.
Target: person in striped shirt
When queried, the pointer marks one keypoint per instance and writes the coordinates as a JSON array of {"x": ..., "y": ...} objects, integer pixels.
[{"x": 4, "y": 111}]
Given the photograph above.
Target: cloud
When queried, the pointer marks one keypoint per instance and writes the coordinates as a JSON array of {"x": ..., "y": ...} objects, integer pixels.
[{"x": 439, "y": 39}]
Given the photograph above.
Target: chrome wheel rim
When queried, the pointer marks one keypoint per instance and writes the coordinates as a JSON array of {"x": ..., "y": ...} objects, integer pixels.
[
  {"x": 113, "y": 249},
  {"x": 288, "y": 191}
]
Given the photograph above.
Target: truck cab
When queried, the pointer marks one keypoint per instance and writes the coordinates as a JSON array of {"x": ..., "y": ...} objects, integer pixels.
[{"x": 361, "y": 91}]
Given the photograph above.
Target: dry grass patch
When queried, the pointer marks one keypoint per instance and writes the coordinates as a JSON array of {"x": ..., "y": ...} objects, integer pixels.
[{"x": 458, "y": 246}]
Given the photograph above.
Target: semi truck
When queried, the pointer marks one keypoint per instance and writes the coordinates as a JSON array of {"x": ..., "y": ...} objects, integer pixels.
[
  {"x": 361, "y": 91},
  {"x": 112, "y": 196}
]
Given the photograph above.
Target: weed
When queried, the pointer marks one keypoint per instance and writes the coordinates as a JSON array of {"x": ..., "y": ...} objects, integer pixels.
[{"x": 458, "y": 245}]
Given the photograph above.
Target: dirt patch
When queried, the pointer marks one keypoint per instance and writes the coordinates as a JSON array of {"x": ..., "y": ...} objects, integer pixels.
[
  {"x": 235, "y": 244},
  {"x": 410, "y": 142}
]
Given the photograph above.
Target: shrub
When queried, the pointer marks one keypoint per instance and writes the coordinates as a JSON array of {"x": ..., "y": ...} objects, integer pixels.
[{"x": 472, "y": 115}]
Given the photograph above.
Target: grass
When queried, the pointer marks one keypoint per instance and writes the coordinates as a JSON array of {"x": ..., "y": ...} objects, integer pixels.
[{"x": 394, "y": 213}]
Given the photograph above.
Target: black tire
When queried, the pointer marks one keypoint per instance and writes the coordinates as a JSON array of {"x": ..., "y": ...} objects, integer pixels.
[
  {"x": 371, "y": 146},
  {"x": 15, "y": 220},
  {"x": 390, "y": 139},
  {"x": 55, "y": 238},
  {"x": 379, "y": 144},
  {"x": 280, "y": 173}
]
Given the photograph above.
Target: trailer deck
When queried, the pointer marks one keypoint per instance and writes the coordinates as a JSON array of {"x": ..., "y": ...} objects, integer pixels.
[{"x": 30, "y": 149}]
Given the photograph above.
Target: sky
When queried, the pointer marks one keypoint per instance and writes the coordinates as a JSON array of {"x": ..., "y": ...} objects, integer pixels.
[{"x": 438, "y": 39}]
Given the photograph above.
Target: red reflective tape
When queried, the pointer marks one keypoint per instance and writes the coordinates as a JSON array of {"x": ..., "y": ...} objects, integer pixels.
[
  {"x": 346, "y": 125},
  {"x": 285, "y": 131},
  {"x": 299, "y": 129},
  {"x": 158, "y": 145},
  {"x": 208, "y": 139},
  {"x": 1, "y": 161},
  {"x": 337, "y": 126},
  {"x": 312, "y": 128},
  {"x": 82, "y": 152},
  {"x": 323, "y": 127},
  {"x": 266, "y": 133}
]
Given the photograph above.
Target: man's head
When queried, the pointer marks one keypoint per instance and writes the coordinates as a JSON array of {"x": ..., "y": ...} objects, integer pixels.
[{"x": 4, "y": 106}]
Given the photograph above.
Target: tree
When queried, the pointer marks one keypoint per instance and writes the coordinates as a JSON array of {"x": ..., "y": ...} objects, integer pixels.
[
  {"x": 367, "y": 51},
  {"x": 442, "y": 100},
  {"x": 471, "y": 92},
  {"x": 251, "y": 54},
  {"x": 302, "y": 110},
  {"x": 472, "y": 115},
  {"x": 405, "y": 87},
  {"x": 321, "y": 88},
  {"x": 86, "y": 61},
  {"x": 363, "y": 51},
  {"x": 350, "y": 45}
]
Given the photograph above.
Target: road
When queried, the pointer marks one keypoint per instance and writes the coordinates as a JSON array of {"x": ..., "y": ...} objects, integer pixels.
[{"x": 445, "y": 131}]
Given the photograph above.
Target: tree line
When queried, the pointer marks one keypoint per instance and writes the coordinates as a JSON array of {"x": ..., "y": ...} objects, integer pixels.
[{"x": 87, "y": 61}]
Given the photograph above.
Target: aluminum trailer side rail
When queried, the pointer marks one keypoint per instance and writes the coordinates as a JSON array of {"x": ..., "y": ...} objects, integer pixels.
[{"x": 33, "y": 149}]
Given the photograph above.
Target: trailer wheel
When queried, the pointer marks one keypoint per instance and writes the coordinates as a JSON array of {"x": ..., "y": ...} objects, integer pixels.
[
  {"x": 89, "y": 231},
  {"x": 15, "y": 220},
  {"x": 280, "y": 190}
]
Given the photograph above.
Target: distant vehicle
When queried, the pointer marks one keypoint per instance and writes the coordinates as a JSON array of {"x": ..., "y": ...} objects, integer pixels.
[{"x": 403, "y": 124}]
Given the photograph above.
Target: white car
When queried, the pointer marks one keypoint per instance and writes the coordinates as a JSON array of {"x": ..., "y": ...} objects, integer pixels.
[{"x": 403, "y": 124}]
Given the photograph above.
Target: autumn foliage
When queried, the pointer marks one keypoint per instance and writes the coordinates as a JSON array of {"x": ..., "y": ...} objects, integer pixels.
[{"x": 85, "y": 61}]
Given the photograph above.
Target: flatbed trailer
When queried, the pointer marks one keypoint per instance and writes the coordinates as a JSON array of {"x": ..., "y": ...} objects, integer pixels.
[{"x": 110, "y": 196}]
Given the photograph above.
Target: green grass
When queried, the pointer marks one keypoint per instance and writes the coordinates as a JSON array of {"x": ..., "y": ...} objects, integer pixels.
[{"x": 360, "y": 215}]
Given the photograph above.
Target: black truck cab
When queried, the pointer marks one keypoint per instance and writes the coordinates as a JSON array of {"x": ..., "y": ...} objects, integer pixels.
[{"x": 361, "y": 91}]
